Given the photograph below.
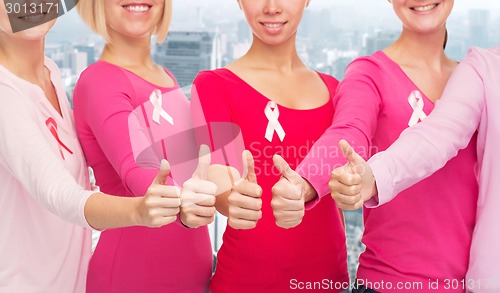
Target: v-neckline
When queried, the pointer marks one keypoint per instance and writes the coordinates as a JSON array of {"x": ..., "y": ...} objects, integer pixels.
[
  {"x": 174, "y": 86},
  {"x": 59, "y": 117},
  {"x": 395, "y": 65},
  {"x": 330, "y": 92}
]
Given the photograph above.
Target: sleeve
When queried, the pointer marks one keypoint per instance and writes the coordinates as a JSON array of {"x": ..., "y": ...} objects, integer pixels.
[
  {"x": 29, "y": 157},
  {"x": 426, "y": 147},
  {"x": 211, "y": 113},
  {"x": 356, "y": 107},
  {"x": 103, "y": 99}
]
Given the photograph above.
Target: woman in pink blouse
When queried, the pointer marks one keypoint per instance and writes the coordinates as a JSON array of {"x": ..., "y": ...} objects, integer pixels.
[
  {"x": 46, "y": 207},
  {"x": 468, "y": 104},
  {"x": 117, "y": 99}
]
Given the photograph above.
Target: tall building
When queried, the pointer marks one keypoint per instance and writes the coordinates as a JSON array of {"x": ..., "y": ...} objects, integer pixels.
[
  {"x": 479, "y": 20},
  {"x": 186, "y": 54},
  {"x": 77, "y": 61},
  {"x": 340, "y": 66},
  {"x": 381, "y": 41},
  {"x": 90, "y": 50},
  {"x": 456, "y": 49}
]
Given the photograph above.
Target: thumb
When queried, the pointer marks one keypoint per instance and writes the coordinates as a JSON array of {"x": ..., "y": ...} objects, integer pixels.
[
  {"x": 285, "y": 170},
  {"x": 352, "y": 157},
  {"x": 204, "y": 159},
  {"x": 249, "y": 167},
  {"x": 161, "y": 177}
]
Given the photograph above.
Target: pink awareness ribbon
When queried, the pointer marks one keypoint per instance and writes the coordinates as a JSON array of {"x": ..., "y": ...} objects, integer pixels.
[{"x": 52, "y": 126}]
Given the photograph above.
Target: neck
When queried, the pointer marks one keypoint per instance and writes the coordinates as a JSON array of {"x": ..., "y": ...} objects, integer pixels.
[
  {"x": 128, "y": 52},
  {"x": 283, "y": 57},
  {"x": 24, "y": 58},
  {"x": 415, "y": 49}
]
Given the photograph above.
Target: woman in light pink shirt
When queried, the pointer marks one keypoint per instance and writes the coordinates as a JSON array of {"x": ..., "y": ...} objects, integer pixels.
[
  {"x": 46, "y": 208},
  {"x": 470, "y": 103}
]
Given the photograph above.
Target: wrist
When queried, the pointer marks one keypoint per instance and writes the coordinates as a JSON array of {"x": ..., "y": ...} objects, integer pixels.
[
  {"x": 310, "y": 193},
  {"x": 135, "y": 215}
]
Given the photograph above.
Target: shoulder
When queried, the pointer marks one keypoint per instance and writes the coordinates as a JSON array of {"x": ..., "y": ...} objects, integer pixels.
[
  {"x": 371, "y": 64},
  {"x": 102, "y": 71},
  {"x": 15, "y": 101},
  {"x": 12, "y": 90},
  {"x": 375, "y": 69},
  {"x": 216, "y": 81},
  {"x": 331, "y": 82},
  {"x": 329, "y": 79},
  {"x": 480, "y": 58},
  {"x": 103, "y": 76},
  {"x": 217, "y": 75}
]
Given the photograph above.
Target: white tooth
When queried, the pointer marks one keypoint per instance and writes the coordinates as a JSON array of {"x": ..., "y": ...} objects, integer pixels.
[
  {"x": 138, "y": 8},
  {"x": 273, "y": 25},
  {"x": 33, "y": 17},
  {"x": 426, "y": 8}
]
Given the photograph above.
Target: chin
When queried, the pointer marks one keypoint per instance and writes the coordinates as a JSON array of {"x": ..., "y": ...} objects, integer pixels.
[{"x": 35, "y": 33}]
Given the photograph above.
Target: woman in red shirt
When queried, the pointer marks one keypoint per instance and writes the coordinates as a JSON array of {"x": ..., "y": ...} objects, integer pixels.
[{"x": 282, "y": 107}]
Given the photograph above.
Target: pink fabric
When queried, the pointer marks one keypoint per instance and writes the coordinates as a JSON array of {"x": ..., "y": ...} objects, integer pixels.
[
  {"x": 44, "y": 243},
  {"x": 426, "y": 232},
  {"x": 470, "y": 102},
  {"x": 269, "y": 258},
  {"x": 138, "y": 259}
]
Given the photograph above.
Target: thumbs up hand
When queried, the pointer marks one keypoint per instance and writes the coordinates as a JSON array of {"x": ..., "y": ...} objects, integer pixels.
[
  {"x": 198, "y": 194},
  {"x": 245, "y": 201},
  {"x": 288, "y": 201},
  {"x": 352, "y": 184},
  {"x": 160, "y": 205}
]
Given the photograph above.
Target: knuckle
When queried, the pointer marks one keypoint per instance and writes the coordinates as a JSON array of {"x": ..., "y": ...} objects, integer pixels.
[
  {"x": 353, "y": 189},
  {"x": 231, "y": 198},
  {"x": 259, "y": 204},
  {"x": 152, "y": 213},
  {"x": 277, "y": 189},
  {"x": 275, "y": 204},
  {"x": 354, "y": 200},
  {"x": 350, "y": 180},
  {"x": 211, "y": 211},
  {"x": 188, "y": 184},
  {"x": 232, "y": 211},
  {"x": 233, "y": 224},
  {"x": 332, "y": 184},
  {"x": 211, "y": 200},
  {"x": 171, "y": 219},
  {"x": 151, "y": 189}
]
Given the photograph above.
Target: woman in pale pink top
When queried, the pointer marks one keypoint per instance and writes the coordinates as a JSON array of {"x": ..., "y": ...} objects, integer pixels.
[
  {"x": 46, "y": 208},
  {"x": 126, "y": 85},
  {"x": 470, "y": 103}
]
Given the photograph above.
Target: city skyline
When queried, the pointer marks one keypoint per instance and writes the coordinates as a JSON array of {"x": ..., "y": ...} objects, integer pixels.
[{"x": 360, "y": 14}]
